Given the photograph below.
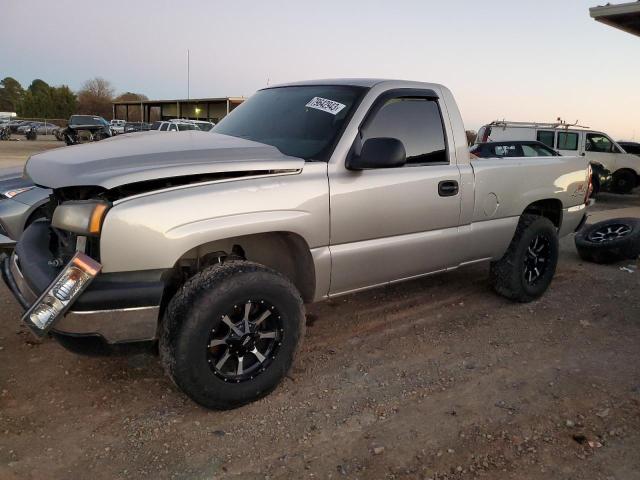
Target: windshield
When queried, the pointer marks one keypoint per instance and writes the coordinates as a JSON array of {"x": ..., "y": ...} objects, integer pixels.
[
  {"x": 205, "y": 127},
  {"x": 302, "y": 121},
  {"x": 87, "y": 120}
]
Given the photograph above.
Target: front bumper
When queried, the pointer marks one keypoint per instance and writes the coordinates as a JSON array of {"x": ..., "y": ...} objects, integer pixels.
[{"x": 119, "y": 307}]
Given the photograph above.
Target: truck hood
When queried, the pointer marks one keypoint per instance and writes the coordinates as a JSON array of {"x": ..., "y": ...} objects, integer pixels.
[{"x": 129, "y": 159}]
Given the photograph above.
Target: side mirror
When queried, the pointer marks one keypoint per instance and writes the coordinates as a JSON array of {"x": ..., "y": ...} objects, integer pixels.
[{"x": 379, "y": 153}]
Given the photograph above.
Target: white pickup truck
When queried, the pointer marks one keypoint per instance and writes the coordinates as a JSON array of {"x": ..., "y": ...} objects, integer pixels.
[
  {"x": 617, "y": 170},
  {"x": 211, "y": 243}
]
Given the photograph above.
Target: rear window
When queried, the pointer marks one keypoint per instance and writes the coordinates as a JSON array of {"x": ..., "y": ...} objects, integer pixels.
[
  {"x": 506, "y": 151},
  {"x": 567, "y": 141},
  {"x": 87, "y": 120},
  {"x": 546, "y": 137}
]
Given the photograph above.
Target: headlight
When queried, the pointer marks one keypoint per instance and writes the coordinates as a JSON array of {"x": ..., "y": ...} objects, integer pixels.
[
  {"x": 83, "y": 217},
  {"x": 60, "y": 295},
  {"x": 17, "y": 191}
]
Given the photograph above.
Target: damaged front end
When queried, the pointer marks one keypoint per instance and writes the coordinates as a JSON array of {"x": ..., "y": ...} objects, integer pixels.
[{"x": 54, "y": 273}]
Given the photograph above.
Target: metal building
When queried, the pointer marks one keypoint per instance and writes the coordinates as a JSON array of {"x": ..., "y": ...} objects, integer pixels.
[{"x": 212, "y": 109}]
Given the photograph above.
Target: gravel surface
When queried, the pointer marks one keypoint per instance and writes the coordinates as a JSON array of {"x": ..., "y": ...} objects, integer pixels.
[
  {"x": 16, "y": 151},
  {"x": 437, "y": 378}
]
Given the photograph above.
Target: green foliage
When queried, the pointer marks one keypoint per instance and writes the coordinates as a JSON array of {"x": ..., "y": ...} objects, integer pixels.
[
  {"x": 38, "y": 87},
  {"x": 42, "y": 101},
  {"x": 129, "y": 96},
  {"x": 11, "y": 94}
]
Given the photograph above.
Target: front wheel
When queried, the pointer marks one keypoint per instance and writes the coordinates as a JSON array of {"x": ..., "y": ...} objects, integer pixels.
[
  {"x": 525, "y": 272},
  {"x": 623, "y": 182},
  {"x": 230, "y": 334}
]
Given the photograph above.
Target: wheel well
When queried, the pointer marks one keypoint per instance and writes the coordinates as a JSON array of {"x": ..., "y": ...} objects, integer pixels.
[
  {"x": 550, "y": 208},
  {"x": 628, "y": 170},
  {"x": 284, "y": 252},
  {"x": 39, "y": 212}
]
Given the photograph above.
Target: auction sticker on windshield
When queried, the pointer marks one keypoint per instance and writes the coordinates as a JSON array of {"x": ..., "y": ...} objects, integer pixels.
[{"x": 325, "y": 105}]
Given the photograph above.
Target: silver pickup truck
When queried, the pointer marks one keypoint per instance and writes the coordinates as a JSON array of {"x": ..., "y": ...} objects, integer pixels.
[{"x": 211, "y": 243}]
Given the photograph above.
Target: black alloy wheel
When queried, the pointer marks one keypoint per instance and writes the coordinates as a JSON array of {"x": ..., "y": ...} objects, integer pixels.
[
  {"x": 536, "y": 259},
  {"x": 610, "y": 232},
  {"x": 526, "y": 269},
  {"x": 230, "y": 333},
  {"x": 246, "y": 341},
  {"x": 609, "y": 241}
]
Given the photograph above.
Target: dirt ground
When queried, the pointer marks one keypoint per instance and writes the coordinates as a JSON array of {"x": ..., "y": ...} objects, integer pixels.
[
  {"x": 436, "y": 378},
  {"x": 15, "y": 152}
]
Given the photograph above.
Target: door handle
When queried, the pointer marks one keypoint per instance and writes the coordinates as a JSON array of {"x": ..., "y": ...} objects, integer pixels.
[{"x": 448, "y": 188}]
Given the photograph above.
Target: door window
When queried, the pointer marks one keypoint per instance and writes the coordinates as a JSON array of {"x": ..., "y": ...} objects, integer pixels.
[
  {"x": 567, "y": 141},
  {"x": 597, "y": 142},
  {"x": 537, "y": 151},
  {"x": 546, "y": 137},
  {"x": 173, "y": 128},
  {"x": 417, "y": 123}
]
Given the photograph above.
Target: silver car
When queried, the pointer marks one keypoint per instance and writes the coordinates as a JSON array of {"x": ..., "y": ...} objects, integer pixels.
[{"x": 21, "y": 204}]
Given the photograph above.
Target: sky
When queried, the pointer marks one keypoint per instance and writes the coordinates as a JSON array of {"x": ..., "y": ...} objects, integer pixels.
[{"x": 525, "y": 60}]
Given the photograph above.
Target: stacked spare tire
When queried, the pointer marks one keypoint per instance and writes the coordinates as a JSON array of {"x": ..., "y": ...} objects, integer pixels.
[{"x": 609, "y": 241}]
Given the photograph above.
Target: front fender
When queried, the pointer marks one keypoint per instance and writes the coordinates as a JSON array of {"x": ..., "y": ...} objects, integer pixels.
[{"x": 153, "y": 231}]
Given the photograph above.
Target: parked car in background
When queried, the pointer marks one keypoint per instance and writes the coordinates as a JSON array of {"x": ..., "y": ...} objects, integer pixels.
[
  {"x": 15, "y": 124},
  {"x": 46, "y": 128},
  {"x": 210, "y": 244},
  {"x": 631, "y": 147},
  {"x": 117, "y": 126},
  {"x": 21, "y": 203},
  {"x": 42, "y": 128},
  {"x": 86, "y": 128},
  {"x": 203, "y": 125},
  {"x": 597, "y": 147},
  {"x": 174, "y": 126},
  {"x": 24, "y": 127},
  {"x": 130, "y": 127},
  {"x": 512, "y": 149}
]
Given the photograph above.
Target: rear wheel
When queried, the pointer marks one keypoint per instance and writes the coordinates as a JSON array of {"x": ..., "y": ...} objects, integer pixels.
[
  {"x": 525, "y": 272},
  {"x": 623, "y": 181},
  {"x": 230, "y": 334}
]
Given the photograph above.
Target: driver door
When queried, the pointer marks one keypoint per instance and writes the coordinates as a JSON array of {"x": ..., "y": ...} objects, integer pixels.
[
  {"x": 390, "y": 224},
  {"x": 599, "y": 148}
]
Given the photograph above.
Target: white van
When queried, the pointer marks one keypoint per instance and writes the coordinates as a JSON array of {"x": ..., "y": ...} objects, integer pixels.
[{"x": 572, "y": 140}]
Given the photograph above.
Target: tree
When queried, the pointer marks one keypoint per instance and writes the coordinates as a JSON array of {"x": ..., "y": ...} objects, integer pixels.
[
  {"x": 11, "y": 94},
  {"x": 37, "y": 101},
  {"x": 65, "y": 102},
  {"x": 135, "y": 113},
  {"x": 130, "y": 96},
  {"x": 39, "y": 87},
  {"x": 95, "y": 97},
  {"x": 43, "y": 101}
]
